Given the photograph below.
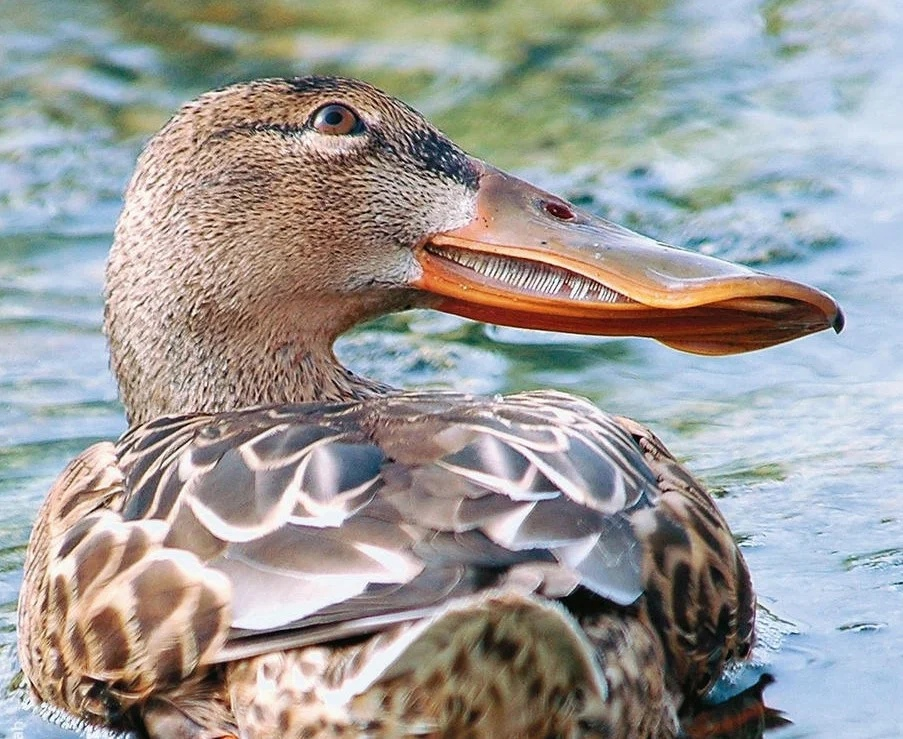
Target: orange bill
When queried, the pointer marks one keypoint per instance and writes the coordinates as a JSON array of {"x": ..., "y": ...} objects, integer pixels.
[{"x": 531, "y": 259}]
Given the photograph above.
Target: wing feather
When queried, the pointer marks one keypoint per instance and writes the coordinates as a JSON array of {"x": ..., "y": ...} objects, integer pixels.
[{"x": 333, "y": 519}]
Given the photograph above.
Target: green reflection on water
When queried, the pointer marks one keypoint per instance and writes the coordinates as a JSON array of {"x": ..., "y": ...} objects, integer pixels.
[{"x": 743, "y": 129}]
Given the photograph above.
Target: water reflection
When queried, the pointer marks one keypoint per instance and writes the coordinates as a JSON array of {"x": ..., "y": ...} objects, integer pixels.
[{"x": 758, "y": 131}]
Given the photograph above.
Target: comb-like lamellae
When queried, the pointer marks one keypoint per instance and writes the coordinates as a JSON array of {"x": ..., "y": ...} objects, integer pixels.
[{"x": 532, "y": 277}]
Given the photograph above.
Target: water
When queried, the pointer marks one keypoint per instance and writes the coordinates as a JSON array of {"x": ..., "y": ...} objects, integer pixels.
[{"x": 766, "y": 132}]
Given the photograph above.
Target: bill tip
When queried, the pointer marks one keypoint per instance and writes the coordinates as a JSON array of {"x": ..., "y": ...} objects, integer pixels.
[{"x": 839, "y": 321}]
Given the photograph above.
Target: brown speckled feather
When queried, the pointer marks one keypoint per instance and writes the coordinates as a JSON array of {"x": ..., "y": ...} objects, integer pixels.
[
  {"x": 109, "y": 629},
  {"x": 698, "y": 593}
]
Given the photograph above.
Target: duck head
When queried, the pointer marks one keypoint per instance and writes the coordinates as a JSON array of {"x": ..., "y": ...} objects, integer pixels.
[{"x": 267, "y": 218}]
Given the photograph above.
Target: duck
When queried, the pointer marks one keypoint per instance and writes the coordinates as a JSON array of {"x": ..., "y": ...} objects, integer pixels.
[{"x": 278, "y": 547}]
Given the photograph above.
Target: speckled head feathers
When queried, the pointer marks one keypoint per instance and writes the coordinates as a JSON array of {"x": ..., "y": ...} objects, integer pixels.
[{"x": 249, "y": 240}]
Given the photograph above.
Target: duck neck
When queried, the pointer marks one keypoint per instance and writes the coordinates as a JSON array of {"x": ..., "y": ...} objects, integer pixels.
[{"x": 163, "y": 372}]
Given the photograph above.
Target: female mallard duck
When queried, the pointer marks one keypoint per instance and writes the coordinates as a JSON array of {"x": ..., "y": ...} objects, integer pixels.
[{"x": 279, "y": 547}]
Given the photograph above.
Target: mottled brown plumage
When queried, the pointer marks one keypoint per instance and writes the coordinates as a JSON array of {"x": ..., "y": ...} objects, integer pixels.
[{"x": 280, "y": 548}]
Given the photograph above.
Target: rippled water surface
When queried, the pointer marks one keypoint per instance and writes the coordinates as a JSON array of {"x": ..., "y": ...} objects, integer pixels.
[{"x": 767, "y": 132}]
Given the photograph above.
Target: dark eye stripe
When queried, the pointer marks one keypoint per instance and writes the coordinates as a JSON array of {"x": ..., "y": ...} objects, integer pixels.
[{"x": 336, "y": 119}]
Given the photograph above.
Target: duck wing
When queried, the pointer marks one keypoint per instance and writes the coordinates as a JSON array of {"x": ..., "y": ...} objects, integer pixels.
[{"x": 333, "y": 520}]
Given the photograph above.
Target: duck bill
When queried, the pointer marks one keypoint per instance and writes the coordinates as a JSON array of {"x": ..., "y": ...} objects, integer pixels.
[{"x": 530, "y": 259}]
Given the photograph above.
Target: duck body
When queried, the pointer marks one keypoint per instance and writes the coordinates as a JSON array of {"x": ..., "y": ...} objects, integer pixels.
[
  {"x": 278, "y": 547},
  {"x": 437, "y": 521}
]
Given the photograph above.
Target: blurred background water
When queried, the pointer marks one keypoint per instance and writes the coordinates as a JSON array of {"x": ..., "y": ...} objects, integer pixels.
[{"x": 768, "y": 132}]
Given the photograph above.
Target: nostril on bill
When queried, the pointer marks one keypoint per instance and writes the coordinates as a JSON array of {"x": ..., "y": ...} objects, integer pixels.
[{"x": 557, "y": 209}]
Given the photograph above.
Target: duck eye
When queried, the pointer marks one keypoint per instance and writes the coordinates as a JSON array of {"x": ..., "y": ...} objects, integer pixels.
[{"x": 336, "y": 120}]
